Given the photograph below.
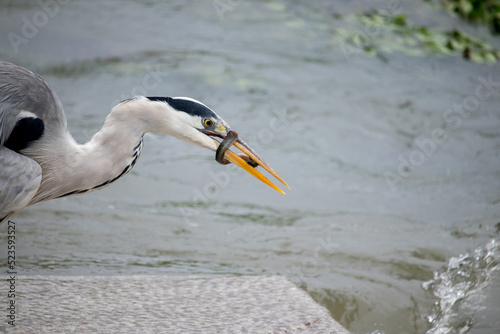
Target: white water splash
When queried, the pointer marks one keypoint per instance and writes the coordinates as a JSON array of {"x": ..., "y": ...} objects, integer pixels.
[{"x": 459, "y": 289}]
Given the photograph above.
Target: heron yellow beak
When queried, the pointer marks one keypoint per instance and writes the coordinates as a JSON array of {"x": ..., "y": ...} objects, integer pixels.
[{"x": 251, "y": 159}]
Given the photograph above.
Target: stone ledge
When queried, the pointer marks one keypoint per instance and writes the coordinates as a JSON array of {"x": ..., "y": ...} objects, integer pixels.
[{"x": 163, "y": 304}]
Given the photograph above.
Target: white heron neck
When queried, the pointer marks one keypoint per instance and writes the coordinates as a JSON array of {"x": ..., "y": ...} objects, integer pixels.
[{"x": 70, "y": 168}]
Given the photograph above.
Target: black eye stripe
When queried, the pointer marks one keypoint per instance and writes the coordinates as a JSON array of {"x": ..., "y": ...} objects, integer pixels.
[{"x": 187, "y": 106}]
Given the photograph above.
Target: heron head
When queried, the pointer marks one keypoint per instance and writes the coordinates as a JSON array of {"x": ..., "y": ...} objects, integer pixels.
[{"x": 196, "y": 123}]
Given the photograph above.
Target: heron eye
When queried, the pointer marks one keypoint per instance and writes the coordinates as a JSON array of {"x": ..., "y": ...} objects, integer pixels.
[{"x": 208, "y": 123}]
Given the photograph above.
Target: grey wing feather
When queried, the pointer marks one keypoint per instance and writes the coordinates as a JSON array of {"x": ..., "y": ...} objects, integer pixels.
[
  {"x": 20, "y": 178},
  {"x": 23, "y": 90}
]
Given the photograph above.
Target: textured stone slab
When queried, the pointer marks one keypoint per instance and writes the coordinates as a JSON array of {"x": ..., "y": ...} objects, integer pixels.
[{"x": 163, "y": 304}]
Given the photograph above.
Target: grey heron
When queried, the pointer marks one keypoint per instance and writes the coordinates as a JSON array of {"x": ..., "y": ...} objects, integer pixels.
[{"x": 40, "y": 160}]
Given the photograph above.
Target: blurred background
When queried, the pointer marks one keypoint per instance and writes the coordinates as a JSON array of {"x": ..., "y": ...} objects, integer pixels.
[{"x": 383, "y": 116}]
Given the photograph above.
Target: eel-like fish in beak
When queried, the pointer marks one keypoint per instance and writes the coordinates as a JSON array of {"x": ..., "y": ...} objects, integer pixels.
[{"x": 248, "y": 160}]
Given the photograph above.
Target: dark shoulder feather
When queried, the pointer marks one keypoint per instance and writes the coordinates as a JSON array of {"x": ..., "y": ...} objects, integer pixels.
[{"x": 23, "y": 90}]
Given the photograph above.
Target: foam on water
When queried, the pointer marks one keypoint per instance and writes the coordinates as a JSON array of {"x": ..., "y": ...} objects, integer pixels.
[{"x": 461, "y": 289}]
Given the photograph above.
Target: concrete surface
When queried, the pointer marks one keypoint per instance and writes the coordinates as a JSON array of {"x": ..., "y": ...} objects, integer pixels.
[{"x": 162, "y": 304}]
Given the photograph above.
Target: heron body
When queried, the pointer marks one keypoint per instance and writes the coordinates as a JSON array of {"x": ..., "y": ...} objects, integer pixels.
[{"x": 40, "y": 160}]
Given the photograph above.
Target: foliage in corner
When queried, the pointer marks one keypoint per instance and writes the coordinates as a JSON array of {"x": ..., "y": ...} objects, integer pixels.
[
  {"x": 388, "y": 34},
  {"x": 477, "y": 11}
]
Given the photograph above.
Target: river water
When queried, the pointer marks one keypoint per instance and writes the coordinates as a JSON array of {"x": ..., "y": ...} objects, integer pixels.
[{"x": 392, "y": 222}]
